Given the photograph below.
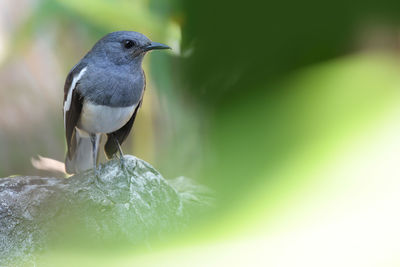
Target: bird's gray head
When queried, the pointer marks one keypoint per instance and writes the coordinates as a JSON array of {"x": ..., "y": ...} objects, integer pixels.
[{"x": 125, "y": 47}]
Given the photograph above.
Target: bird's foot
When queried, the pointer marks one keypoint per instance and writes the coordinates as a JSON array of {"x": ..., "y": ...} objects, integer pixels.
[
  {"x": 122, "y": 164},
  {"x": 96, "y": 173}
]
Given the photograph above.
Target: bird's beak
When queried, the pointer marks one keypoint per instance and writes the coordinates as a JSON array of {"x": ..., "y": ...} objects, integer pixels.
[{"x": 154, "y": 46}]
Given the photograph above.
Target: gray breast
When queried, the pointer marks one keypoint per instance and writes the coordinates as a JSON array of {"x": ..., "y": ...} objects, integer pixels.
[{"x": 114, "y": 87}]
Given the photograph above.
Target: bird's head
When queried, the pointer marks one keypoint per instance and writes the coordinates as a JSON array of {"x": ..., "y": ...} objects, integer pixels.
[{"x": 125, "y": 47}]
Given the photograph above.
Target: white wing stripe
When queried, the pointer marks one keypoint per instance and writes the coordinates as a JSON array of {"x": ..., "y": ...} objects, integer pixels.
[{"x": 67, "y": 103}]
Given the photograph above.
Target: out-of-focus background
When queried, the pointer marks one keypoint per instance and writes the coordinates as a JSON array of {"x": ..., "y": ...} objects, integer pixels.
[
  {"x": 289, "y": 111},
  {"x": 40, "y": 41}
]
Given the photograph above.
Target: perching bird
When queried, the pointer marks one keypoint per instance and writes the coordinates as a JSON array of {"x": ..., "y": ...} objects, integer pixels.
[{"x": 102, "y": 95}]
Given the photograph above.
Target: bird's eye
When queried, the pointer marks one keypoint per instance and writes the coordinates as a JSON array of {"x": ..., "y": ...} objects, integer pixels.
[{"x": 129, "y": 44}]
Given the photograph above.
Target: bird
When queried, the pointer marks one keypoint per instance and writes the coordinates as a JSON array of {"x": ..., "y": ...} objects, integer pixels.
[{"x": 102, "y": 95}]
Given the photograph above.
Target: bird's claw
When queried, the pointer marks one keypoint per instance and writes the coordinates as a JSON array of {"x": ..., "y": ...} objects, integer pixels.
[
  {"x": 124, "y": 169},
  {"x": 96, "y": 173},
  {"x": 122, "y": 162}
]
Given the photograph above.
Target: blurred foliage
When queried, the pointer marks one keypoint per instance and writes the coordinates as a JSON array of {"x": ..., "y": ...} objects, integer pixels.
[
  {"x": 255, "y": 42},
  {"x": 240, "y": 63}
]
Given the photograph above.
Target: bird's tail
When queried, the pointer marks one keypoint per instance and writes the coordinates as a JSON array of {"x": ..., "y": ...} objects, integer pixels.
[{"x": 81, "y": 157}]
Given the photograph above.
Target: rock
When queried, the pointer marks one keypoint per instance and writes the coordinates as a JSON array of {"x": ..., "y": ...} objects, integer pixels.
[{"x": 130, "y": 204}]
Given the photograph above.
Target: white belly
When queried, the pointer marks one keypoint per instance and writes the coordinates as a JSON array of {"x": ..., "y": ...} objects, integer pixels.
[{"x": 104, "y": 119}]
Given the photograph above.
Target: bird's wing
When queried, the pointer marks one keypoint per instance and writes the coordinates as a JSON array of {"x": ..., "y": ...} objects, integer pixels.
[{"x": 72, "y": 104}]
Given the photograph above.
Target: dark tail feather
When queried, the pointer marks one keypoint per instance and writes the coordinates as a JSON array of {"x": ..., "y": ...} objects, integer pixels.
[{"x": 110, "y": 148}]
